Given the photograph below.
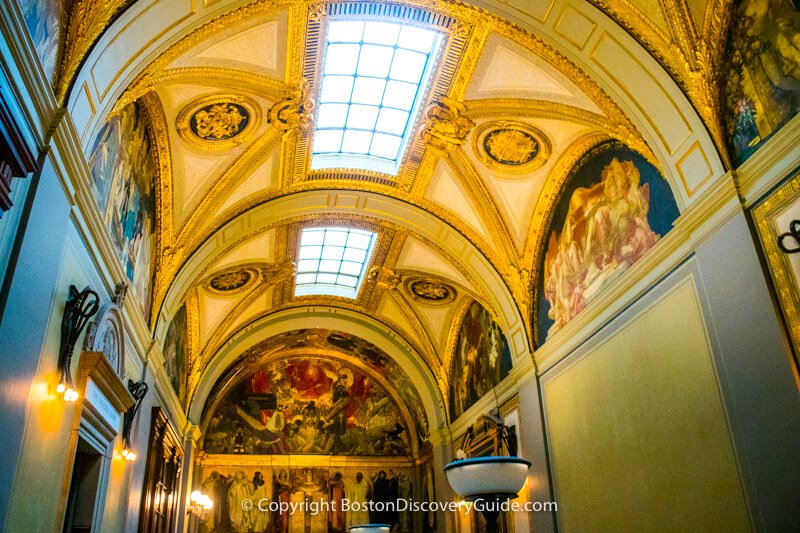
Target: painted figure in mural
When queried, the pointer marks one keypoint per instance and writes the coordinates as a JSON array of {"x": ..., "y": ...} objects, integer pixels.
[
  {"x": 763, "y": 86},
  {"x": 209, "y": 486},
  {"x": 43, "y": 18},
  {"x": 239, "y": 491},
  {"x": 175, "y": 348},
  {"x": 307, "y": 406},
  {"x": 404, "y": 492},
  {"x": 336, "y": 493},
  {"x": 606, "y": 230},
  {"x": 259, "y": 519},
  {"x": 481, "y": 359},
  {"x": 282, "y": 495},
  {"x": 384, "y": 490},
  {"x": 357, "y": 494}
]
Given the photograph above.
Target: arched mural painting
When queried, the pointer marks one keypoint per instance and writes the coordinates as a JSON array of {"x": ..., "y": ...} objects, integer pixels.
[
  {"x": 124, "y": 168},
  {"x": 762, "y": 89},
  {"x": 308, "y": 405},
  {"x": 481, "y": 359},
  {"x": 614, "y": 207}
]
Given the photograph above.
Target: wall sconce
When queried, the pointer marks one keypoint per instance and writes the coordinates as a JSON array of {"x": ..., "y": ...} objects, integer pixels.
[
  {"x": 492, "y": 480},
  {"x": 794, "y": 234},
  {"x": 137, "y": 390},
  {"x": 199, "y": 505},
  {"x": 81, "y": 306}
]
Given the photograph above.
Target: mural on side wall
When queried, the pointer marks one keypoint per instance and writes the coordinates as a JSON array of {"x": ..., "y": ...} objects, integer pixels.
[
  {"x": 176, "y": 349},
  {"x": 123, "y": 166},
  {"x": 43, "y": 18},
  {"x": 762, "y": 91},
  {"x": 481, "y": 359},
  {"x": 276, "y": 485},
  {"x": 308, "y": 405},
  {"x": 614, "y": 207}
]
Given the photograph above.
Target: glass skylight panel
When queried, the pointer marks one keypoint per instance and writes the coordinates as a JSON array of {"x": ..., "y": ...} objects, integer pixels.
[
  {"x": 373, "y": 79},
  {"x": 332, "y": 261}
]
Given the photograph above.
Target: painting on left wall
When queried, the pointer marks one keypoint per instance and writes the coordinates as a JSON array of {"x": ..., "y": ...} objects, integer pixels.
[
  {"x": 123, "y": 164},
  {"x": 43, "y": 18},
  {"x": 176, "y": 348}
]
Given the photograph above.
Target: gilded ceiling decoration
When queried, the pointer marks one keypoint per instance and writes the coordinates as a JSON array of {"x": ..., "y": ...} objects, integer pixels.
[
  {"x": 230, "y": 281},
  {"x": 512, "y": 147},
  {"x": 219, "y": 121},
  {"x": 502, "y": 122},
  {"x": 430, "y": 291}
]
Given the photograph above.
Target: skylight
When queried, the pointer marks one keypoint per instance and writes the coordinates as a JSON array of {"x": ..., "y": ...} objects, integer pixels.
[
  {"x": 373, "y": 79},
  {"x": 332, "y": 261}
]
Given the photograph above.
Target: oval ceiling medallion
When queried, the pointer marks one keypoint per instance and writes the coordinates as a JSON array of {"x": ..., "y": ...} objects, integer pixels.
[
  {"x": 232, "y": 280},
  {"x": 430, "y": 291},
  {"x": 511, "y": 147},
  {"x": 219, "y": 121}
]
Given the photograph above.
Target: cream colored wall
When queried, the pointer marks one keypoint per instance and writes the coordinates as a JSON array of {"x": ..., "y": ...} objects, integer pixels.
[{"x": 638, "y": 433}]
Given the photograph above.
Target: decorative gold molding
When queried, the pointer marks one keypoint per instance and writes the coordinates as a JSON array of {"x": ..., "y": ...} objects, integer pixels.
[
  {"x": 780, "y": 267},
  {"x": 86, "y": 22},
  {"x": 445, "y": 126}
]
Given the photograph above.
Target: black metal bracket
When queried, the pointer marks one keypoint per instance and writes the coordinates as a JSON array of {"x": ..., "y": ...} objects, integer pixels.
[
  {"x": 138, "y": 391},
  {"x": 80, "y": 307},
  {"x": 793, "y": 233}
]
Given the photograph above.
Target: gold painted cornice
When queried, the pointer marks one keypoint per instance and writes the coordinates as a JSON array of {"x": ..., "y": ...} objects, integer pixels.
[{"x": 87, "y": 20}]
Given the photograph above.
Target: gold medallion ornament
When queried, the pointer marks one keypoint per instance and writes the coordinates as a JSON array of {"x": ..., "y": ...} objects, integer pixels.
[
  {"x": 220, "y": 121},
  {"x": 511, "y": 147},
  {"x": 231, "y": 280},
  {"x": 430, "y": 291}
]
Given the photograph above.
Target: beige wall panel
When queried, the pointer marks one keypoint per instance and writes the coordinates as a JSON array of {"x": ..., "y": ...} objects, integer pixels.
[{"x": 639, "y": 437}]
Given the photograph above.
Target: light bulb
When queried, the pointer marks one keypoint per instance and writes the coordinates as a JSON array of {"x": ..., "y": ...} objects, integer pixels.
[
  {"x": 131, "y": 456},
  {"x": 60, "y": 388},
  {"x": 125, "y": 452},
  {"x": 196, "y": 495},
  {"x": 70, "y": 395}
]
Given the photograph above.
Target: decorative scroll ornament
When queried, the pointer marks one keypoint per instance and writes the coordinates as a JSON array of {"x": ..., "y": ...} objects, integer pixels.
[
  {"x": 384, "y": 278},
  {"x": 445, "y": 125},
  {"x": 294, "y": 111},
  {"x": 278, "y": 272},
  {"x": 792, "y": 234}
]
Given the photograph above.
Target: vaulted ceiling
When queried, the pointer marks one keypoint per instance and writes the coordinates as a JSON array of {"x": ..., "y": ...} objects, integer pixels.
[{"x": 458, "y": 224}]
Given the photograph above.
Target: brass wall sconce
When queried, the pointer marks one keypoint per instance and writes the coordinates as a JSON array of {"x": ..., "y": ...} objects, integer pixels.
[
  {"x": 199, "y": 505},
  {"x": 138, "y": 391},
  {"x": 80, "y": 307}
]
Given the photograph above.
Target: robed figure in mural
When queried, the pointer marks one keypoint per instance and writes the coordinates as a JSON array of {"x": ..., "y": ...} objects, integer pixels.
[
  {"x": 259, "y": 519},
  {"x": 336, "y": 493},
  {"x": 282, "y": 495},
  {"x": 240, "y": 490},
  {"x": 357, "y": 493},
  {"x": 384, "y": 490}
]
